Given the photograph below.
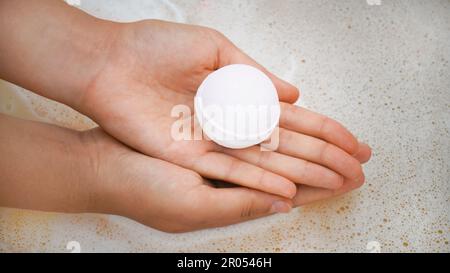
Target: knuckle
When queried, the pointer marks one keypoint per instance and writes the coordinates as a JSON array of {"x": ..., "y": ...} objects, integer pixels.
[
  {"x": 263, "y": 158},
  {"x": 232, "y": 167},
  {"x": 324, "y": 125},
  {"x": 262, "y": 178},
  {"x": 286, "y": 138},
  {"x": 248, "y": 210},
  {"x": 323, "y": 150},
  {"x": 303, "y": 172}
]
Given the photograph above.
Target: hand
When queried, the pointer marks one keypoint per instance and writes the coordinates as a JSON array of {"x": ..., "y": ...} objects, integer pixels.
[
  {"x": 56, "y": 169},
  {"x": 174, "y": 199},
  {"x": 166, "y": 196},
  {"x": 92, "y": 172},
  {"x": 152, "y": 66}
]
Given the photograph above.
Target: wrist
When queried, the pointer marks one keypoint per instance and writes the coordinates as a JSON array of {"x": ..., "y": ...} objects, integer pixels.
[
  {"x": 91, "y": 42},
  {"x": 102, "y": 175}
]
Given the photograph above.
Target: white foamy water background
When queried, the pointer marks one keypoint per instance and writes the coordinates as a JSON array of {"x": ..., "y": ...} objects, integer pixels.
[{"x": 382, "y": 70}]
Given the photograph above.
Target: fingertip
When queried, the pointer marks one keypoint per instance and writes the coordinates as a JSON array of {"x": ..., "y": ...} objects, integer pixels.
[
  {"x": 352, "y": 144},
  {"x": 364, "y": 153},
  {"x": 286, "y": 91},
  {"x": 337, "y": 183},
  {"x": 290, "y": 190},
  {"x": 360, "y": 181},
  {"x": 280, "y": 206},
  {"x": 296, "y": 92},
  {"x": 278, "y": 185},
  {"x": 356, "y": 183},
  {"x": 328, "y": 179},
  {"x": 368, "y": 150},
  {"x": 336, "y": 133},
  {"x": 293, "y": 92}
]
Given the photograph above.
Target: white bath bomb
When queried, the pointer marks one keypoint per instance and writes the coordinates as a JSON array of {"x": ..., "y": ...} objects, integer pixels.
[{"x": 237, "y": 106}]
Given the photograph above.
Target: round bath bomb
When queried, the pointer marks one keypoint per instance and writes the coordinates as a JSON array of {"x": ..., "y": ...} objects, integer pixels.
[{"x": 237, "y": 106}]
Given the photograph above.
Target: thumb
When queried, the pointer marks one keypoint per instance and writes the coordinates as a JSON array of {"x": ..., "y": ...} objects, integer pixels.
[
  {"x": 233, "y": 55},
  {"x": 225, "y": 206}
]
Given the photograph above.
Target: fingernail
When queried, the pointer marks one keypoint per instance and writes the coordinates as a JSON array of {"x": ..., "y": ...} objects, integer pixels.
[{"x": 280, "y": 207}]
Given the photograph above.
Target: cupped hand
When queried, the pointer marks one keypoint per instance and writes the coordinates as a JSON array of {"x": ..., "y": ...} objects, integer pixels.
[
  {"x": 151, "y": 66},
  {"x": 168, "y": 197}
]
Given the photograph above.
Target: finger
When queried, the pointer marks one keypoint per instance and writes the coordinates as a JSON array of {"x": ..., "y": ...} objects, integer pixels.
[
  {"x": 295, "y": 169},
  {"x": 364, "y": 153},
  {"x": 303, "y": 121},
  {"x": 307, "y": 194},
  {"x": 220, "y": 207},
  {"x": 215, "y": 165},
  {"x": 233, "y": 55},
  {"x": 320, "y": 152}
]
